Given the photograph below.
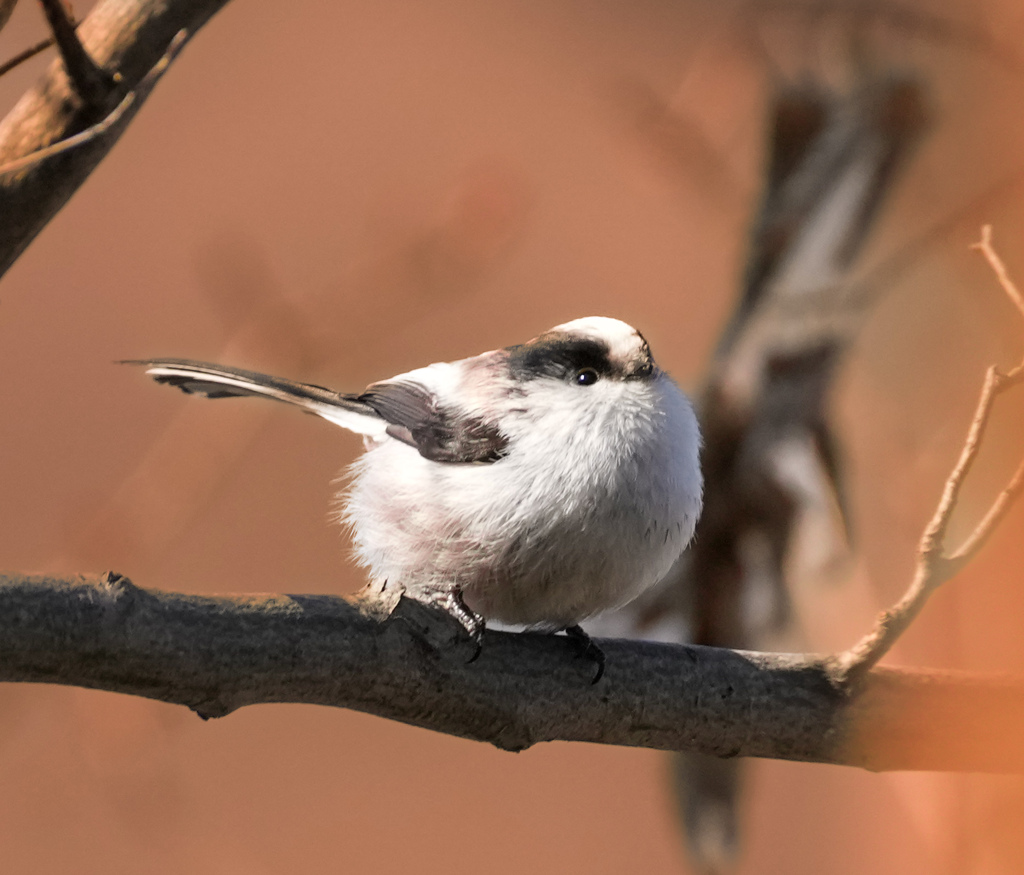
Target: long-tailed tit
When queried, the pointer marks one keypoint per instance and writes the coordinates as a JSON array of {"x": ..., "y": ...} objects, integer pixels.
[{"x": 538, "y": 484}]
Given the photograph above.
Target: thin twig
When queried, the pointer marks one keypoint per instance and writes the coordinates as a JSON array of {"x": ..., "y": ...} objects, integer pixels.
[
  {"x": 91, "y": 82},
  {"x": 999, "y": 509},
  {"x": 935, "y": 564},
  {"x": 894, "y": 266},
  {"x": 933, "y": 542},
  {"x": 26, "y": 55},
  {"x": 984, "y": 246},
  {"x": 97, "y": 130}
]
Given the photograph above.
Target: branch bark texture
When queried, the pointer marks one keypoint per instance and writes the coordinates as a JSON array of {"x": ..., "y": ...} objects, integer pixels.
[
  {"x": 123, "y": 37},
  {"x": 215, "y": 655}
]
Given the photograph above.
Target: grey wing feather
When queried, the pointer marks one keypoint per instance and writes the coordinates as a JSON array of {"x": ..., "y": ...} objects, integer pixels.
[{"x": 439, "y": 433}]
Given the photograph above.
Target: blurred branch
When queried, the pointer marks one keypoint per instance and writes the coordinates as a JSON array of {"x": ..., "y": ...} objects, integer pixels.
[
  {"x": 28, "y": 53},
  {"x": 123, "y": 43},
  {"x": 22, "y": 57},
  {"x": 772, "y": 460},
  {"x": 219, "y": 654},
  {"x": 769, "y": 443},
  {"x": 773, "y": 464},
  {"x": 909, "y": 19},
  {"x": 93, "y": 84},
  {"x": 934, "y": 567},
  {"x": 6, "y": 8},
  {"x": 111, "y": 125}
]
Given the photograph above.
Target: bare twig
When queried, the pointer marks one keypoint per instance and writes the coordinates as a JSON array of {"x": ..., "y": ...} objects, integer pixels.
[
  {"x": 111, "y": 123},
  {"x": 26, "y": 55},
  {"x": 94, "y": 85},
  {"x": 984, "y": 246},
  {"x": 215, "y": 655},
  {"x": 935, "y": 565}
]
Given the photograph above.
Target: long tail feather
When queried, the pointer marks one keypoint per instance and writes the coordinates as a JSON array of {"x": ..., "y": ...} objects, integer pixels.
[{"x": 219, "y": 381}]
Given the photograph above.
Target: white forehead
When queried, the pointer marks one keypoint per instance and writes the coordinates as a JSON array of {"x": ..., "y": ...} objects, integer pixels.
[{"x": 623, "y": 340}]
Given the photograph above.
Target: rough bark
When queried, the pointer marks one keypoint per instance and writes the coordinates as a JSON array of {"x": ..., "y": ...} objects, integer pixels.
[{"x": 217, "y": 654}]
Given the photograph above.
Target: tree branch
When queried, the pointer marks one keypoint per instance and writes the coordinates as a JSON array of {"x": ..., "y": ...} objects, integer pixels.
[
  {"x": 126, "y": 38},
  {"x": 111, "y": 125},
  {"x": 934, "y": 565},
  {"x": 94, "y": 85},
  {"x": 219, "y": 654},
  {"x": 25, "y": 55}
]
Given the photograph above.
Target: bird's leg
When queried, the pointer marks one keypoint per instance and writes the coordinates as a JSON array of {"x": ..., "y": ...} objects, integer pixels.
[
  {"x": 587, "y": 649},
  {"x": 451, "y": 603}
]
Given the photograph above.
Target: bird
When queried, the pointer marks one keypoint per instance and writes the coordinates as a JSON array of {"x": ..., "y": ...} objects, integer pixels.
[{"x": 536, "y": 485}]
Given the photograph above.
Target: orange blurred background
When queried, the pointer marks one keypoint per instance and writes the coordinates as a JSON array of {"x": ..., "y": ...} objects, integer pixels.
[{"x": 342, "y": 191}]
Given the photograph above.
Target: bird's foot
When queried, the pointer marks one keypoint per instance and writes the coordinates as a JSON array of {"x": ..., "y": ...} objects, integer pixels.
[
  {"x": 473, "y": 624},
  {"x": 587, "y": 649}
]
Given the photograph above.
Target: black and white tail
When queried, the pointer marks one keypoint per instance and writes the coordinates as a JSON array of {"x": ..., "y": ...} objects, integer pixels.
[{"x": 218, "y": 381}]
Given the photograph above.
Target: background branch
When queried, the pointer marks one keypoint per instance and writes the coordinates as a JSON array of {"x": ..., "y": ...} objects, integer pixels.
[
  {"x": 91, "y": 82},
  {"x": 934, "y": 564},
  {"x": 772, "y": 458},
  {"x": 25, "y": 55},
  {"x": 127, "y": 39},
  {"x": 110, "y": 127}
]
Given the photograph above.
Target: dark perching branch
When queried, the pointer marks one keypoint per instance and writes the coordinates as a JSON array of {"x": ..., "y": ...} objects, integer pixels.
[{"x": 219, "y": 654}]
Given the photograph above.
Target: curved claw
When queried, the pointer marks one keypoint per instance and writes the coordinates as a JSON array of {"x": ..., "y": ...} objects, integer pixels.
[
  {"x": 587, "y": 649},
  {"x": 452, "y": 604}
]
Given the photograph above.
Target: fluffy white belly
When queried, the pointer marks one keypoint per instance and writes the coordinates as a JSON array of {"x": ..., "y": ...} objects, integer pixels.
[{"x": 568, "y": 524}]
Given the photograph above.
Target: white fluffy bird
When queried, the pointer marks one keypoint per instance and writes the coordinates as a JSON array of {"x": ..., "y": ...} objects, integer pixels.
[{"x": 538, "y": 484}]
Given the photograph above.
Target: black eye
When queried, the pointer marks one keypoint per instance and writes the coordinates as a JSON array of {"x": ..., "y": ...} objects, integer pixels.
[{"x": 586, "y": 377}]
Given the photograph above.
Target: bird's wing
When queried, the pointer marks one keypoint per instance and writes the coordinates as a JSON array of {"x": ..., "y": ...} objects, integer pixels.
[
  {"x": 442, "y": 433},
  {"x": 219, "y": 381},
  {"x": 403, "y": 408}
]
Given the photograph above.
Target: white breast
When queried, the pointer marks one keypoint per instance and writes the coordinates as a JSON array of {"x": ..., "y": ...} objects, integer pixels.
[{"x": 595, "y": 500}]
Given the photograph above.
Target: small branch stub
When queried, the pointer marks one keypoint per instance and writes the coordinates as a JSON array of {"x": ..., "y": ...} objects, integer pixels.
[{"x": 94, "y": 85}]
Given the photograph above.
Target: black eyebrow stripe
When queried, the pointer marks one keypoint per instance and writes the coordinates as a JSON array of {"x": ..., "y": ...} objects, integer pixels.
[{"x": 558, "y": 356}]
